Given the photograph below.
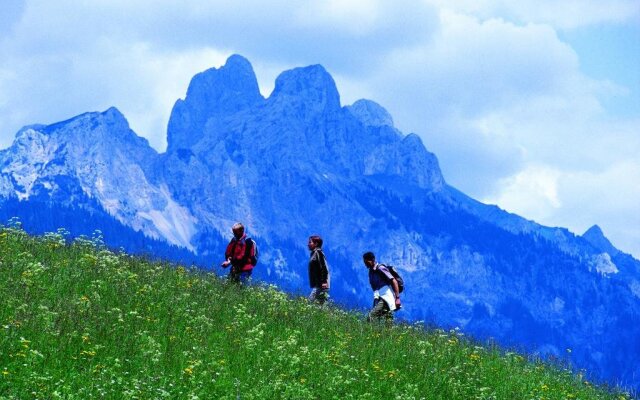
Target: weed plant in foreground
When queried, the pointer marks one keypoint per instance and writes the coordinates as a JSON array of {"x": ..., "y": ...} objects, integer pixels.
[{"x": 78, "y": 321}]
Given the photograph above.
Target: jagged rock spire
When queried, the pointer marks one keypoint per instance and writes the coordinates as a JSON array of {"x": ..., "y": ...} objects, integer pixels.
[
  {"x": 212, "y": 93},
  {"x": 308, "y": 90},
  {"x": 371, "y": 113}
]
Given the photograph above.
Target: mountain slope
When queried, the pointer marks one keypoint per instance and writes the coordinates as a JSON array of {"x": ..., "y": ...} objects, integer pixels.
[
  {"x": 80, "y": 321},
  {"x": 95, "y": 156},
  {"x": 298, "y": 163}
]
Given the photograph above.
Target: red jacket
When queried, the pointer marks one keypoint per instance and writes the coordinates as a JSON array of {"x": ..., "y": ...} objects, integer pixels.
[{"x": 242, "y": 253}]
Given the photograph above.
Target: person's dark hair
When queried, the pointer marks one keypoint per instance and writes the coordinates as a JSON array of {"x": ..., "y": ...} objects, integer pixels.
[
  {"x": 237, "y": 227},
  {"x": 369, "y": 256},
  {"x": 316, "y": 239}
]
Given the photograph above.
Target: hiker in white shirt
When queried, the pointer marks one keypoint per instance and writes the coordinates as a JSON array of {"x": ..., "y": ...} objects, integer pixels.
[{"x": 386, "y": 293}]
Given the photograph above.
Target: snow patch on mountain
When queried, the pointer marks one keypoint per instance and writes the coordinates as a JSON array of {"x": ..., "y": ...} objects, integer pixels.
[
  {"x": 558, "y": 305},
  {"x": 278, "y": 267},
  {"x": 36, "y": 153},
  {"x": 603, "y": 264},
  {"x": 174, "y": 222}
]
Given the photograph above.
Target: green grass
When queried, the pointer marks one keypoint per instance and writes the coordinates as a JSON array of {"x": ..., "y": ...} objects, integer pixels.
[{"x": 81, "y": 322}]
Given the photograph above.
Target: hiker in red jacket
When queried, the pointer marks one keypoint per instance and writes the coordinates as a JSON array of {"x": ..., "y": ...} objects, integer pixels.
[{"x": 241, "y": 254}]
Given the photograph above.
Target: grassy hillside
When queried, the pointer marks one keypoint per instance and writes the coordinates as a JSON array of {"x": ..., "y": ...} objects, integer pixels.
[{"x": 80, "y": 322}]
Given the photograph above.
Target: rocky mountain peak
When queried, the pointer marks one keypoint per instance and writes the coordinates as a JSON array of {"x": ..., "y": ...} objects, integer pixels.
[
  {"x": 113, "y": 116},
  {"x": 111, "y": 120},
  {"x": 594, "y": 231},
  {"x": 371, "y": 113},
  {"x": 307, "y": 89},
  {"x": 29, "y": 134},
  {"x": 91, "y": 127},
  {"x": 232, "y": 86},
  {"x": 109, "y": 129},
  {"x": 597, "y": 239},
  {"x": 214, "y": 93}
]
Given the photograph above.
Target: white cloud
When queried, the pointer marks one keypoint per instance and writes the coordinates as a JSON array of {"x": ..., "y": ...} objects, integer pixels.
[
  {"x": 358, "y": 17},
  {"x": 141, "y": 81},
  {"x": 609, "y": 197},
  {"x": 513, "y": 119},
  {"x": 65, "y": 58},
  {"x": 532, "y": 192},
  {"x": 488, "y": 84},
  {"x": 473, "y": 66},
  {"x": 566, "y": 14},
  {"x": 162, "y": 79},
  {"x": 579, "y": 199},
  {"x": 462, "y": 90}
]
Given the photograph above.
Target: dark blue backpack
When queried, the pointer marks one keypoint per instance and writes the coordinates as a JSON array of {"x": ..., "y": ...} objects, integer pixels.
[{"x": 396, "y": 275}]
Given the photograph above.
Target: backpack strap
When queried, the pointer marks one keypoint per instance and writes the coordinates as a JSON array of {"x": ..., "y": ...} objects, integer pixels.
[
  {"x": 249, "y": 247},
  {"x": 385, "y": 275}
]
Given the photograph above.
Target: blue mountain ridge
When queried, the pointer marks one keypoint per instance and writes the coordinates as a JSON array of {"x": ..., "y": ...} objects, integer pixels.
[{"x": 298, "y": 163}]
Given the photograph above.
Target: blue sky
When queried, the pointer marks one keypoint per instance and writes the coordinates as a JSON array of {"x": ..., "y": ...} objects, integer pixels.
[{"x": 531, "y": 105}]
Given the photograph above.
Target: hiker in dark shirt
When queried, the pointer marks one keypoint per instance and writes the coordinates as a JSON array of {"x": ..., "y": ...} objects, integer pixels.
[
  {"x": 318, "y": 271},
  {"x": 386, "y": 292},
  {"x": 241, "y": 255}
]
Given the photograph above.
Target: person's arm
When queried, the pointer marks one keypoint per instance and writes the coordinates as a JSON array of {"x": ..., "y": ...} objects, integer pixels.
[
  {"x": 396, "y": 288},
  {"x": 324, "y": 271},
  {"x": 393, "y": 283},
  {"x": 227, "y": 257},
  {"x": 396, "y": 292}
]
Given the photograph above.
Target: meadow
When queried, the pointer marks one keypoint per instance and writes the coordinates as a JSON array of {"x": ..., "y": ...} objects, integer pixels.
[{"x": 79, "y": 321}]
